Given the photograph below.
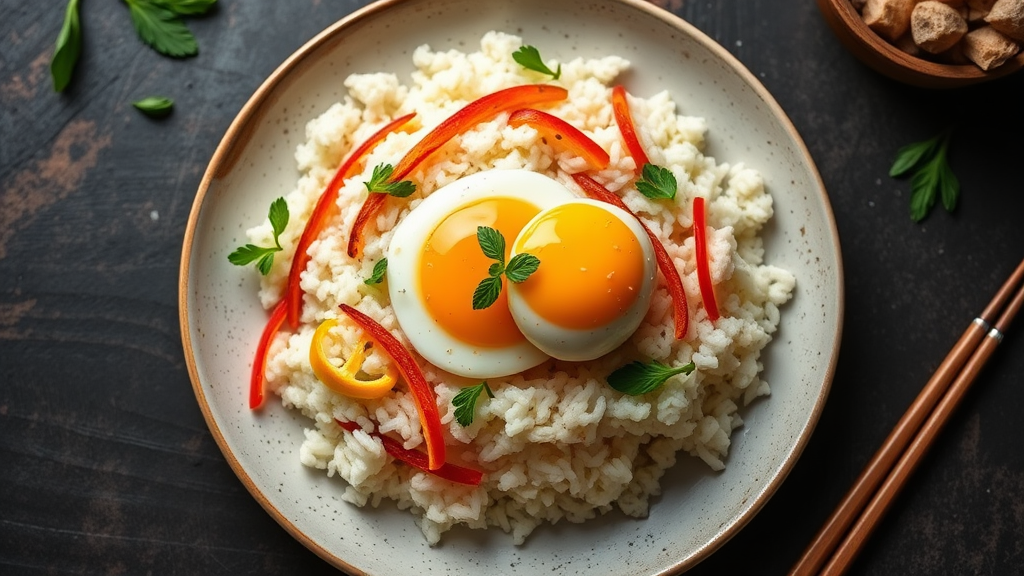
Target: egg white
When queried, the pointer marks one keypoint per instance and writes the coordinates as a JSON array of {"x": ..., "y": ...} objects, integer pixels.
[
  {"x": 406, "y": 248},
  {"x": 580, "y": 345}
]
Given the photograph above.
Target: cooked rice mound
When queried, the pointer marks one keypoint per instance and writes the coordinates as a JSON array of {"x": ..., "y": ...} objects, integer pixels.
[{"x": 556, "y": 442}]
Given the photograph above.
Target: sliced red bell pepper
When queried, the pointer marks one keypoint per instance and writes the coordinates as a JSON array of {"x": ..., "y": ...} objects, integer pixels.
[
  {"x": 417, "y": 459},
  {"x": 325, "y": 207},
  {"x": 623, "y": 117},
  {"x": 700, "y": 250},
  {"x": 430, "y": 419},
  {"x": 680, "y": 309},
  {"x": 568, "y": 136},
  {"x": 259, "y": 363},
  {"x": 475, "y": 112}
]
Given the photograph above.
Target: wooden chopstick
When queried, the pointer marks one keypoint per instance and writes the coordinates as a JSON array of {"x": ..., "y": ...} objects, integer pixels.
[{"x": 903, "y": 449}]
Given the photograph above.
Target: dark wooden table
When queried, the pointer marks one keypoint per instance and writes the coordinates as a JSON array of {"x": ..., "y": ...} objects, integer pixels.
[{"x": 106, "y": 464}]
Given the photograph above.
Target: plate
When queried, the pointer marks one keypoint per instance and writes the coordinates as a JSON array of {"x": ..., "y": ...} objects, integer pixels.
[{"x": 699, "y": 509}]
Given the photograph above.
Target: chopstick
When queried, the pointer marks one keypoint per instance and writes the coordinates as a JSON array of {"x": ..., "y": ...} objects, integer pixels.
[{"x": 883, "y": 477}]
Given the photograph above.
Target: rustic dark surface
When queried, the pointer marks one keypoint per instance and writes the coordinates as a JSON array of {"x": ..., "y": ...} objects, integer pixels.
[{"x": 106, "y": 464}]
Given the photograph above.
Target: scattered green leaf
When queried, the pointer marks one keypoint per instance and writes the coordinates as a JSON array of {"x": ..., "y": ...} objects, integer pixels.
[
  {"x": 519, "y": 267},
  {"x": 529, "y": 57},
  {"x": 264, "y": 256},
  {"x": 932, "y": 177},
  {"x": 465, "y": 402},
  {"x": 162, "y": 29},
  {"x": 379, "y": 182},
  {"x": 638, "y": 378},
  {"x": 155, "y": 106},
  {"x": 657, "y": 182},
  {"x": 379, "y": 269},
  {"x": 69, "y": 47},
  {"x": 187, "y": 7}
]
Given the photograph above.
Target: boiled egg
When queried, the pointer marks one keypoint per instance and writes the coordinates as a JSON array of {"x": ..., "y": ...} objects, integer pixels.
[
  {"x": 435, "y": 263},
  {"x": 594, "y": 284}
]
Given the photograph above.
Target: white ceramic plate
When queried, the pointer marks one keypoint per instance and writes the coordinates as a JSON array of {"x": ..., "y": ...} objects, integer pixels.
[{"x": 699, "y": 510}]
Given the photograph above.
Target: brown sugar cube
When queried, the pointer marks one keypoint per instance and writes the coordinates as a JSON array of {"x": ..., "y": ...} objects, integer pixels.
[
  {"x": 936, "y": 27},
  {"x": 978, "y": 9},
  {"x": 987, "y": 48},
  {"x": 1007, "y": 16},
  {"x": 889, "y": 19}
]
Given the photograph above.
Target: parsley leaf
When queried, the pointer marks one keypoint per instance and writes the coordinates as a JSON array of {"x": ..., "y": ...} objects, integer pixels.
[
  {"x": 162, "y": 29},
  {"x": 155, "y": 106},
  {"x": 465, "y": 402},
  {"x": 69, "y": 46},
  {"x": 519, "y": 268},
  {"x": 264, "y": 256},
  {"x": 529, "y": 57},
  {"x": 377, "y": 276},
  {"x": 637, "y": 378},
  {"x": 932, "y": 177},
  {"x": 379, "y": 182},
  {"x": 657, "y": 182}
]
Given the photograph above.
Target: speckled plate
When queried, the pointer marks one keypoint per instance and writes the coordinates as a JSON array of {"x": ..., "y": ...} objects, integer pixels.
[{"x": 699, "y": 510}]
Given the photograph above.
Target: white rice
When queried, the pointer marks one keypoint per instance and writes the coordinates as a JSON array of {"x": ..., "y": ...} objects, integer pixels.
[{"x": 556, "y": 442}]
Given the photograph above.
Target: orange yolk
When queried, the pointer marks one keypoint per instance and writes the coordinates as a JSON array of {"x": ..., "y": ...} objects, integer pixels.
[
  {"x": 591, "y": 266},
  {"x": 453, "y": 264}
]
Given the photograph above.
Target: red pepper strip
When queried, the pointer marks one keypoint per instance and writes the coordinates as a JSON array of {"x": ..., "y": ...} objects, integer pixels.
[
  {"x": 417, "y": 459},
  {"x": 469, "y": 116},
  {"x": 325, "y": 207},
  {"x": 620, "y": 107},
  {"x": 554, "y": 128},
  {"x": 430, "y": 420},
  {"x": 259, "y": 363},
  {"x": 680, "y": 311},
  {"x": 700, "y": 248}
]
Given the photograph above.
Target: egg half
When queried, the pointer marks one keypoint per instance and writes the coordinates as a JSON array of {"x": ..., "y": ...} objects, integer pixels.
[
  {"x": 590, "y": 292},
  {"x": 594, "y": 283}
]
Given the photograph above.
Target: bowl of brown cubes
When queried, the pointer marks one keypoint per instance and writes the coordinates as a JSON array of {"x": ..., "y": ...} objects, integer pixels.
[{"x": 932, "y": 43}]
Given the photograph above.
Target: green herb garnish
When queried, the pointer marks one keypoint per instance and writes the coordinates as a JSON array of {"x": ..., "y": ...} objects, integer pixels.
[
  {"x": 657, "y": 182},
  {"x": 69, "y": 46},
  {"x": 154, "y": 106},
  {"x": 465, "y": 402},
  {"x": 264, "y": 256},
  {"x": 187, "y": 7},
  {"x": 377, "y": 276},
  {"x": 379, "y": 182},
  {"x": 161, "y": 28},
  {"x": 932, "y": 176},
  {"x": 638, "y": 378},
  {"x": 519, "y": 267},
  {"x": 529, "y": 57}
]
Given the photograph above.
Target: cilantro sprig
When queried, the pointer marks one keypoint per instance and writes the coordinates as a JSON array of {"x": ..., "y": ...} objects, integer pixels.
[
  {"x": 518, "y": 269},
  {"x": 465, "y": 402},
  {"x": 69, "y": 47},
  {"x": 529, "y": 57},
  {"x": 932, "y": 176},
  {"x": 657, "y": 182},
  {"x": 380, "y": 182},
  {"x": 638, "y": 378},
  {"x": 264, "y": 256},
  {"x": 379, "y": 269}
]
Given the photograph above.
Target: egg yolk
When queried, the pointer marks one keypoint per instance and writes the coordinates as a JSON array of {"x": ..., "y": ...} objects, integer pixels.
[
  {"x": 453, "y": 264},
  {"x": 591, "y": 266}
]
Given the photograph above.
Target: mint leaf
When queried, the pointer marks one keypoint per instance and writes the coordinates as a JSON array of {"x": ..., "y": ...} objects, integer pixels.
[
  {"x": 486, "y": 292},
  {"x": 155, "y": 106},
  {"x": 932, "y": 176},
  {"x": 69, "y": 47},
  {"x": 187, "y": 7},
  {"x": 521, "y": 266},
  {"x": 638, "y": 378},
  {"x": 657, "y": 182},
  {"x": 491, "y": 242},
  {"x": 264, "y": 255},
  {"x": 465, "y": 402},
  {"x": 909, "y": 156},
  {"x": 162, "y": 29}
]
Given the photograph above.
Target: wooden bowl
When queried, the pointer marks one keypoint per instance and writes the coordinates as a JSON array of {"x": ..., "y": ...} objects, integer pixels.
[{"x": 885, "y": 58}]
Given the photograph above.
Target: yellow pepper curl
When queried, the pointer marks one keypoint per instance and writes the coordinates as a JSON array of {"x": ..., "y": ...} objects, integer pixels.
[{"x": 345, "y": 379}]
